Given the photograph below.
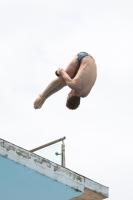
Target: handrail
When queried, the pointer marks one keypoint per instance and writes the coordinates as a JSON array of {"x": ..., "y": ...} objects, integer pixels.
[{"x": 48, "y": 144}]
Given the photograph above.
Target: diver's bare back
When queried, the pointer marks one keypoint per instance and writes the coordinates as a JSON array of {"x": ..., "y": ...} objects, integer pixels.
[{"x": 86, "y": 75}]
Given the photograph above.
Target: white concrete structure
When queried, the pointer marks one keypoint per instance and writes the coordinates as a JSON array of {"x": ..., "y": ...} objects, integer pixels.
[{"x": 69, "y": 184}]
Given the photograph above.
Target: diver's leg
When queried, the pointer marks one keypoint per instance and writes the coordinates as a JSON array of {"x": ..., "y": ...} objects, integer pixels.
[
  {"x": 56, "y": 85},
  {"x": 59, "y": 83},
  {"x": 72, "y": 67}
]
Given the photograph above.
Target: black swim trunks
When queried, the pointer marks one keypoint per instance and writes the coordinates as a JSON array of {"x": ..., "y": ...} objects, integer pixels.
[{"x": 81, "y": 55}]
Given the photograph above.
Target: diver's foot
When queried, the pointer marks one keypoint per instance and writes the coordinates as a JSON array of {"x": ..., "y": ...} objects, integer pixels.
[{"x": 39, "y": 102}]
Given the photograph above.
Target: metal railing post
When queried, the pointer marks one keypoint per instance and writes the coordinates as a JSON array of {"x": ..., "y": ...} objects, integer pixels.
[{"x": 63, "y": 154}]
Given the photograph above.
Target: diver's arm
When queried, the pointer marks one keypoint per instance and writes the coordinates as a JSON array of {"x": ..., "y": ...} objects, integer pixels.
[{"x": 72, "y": 83}]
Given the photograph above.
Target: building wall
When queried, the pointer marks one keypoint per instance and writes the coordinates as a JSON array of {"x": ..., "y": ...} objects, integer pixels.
[{"x": 18, "y": 182}]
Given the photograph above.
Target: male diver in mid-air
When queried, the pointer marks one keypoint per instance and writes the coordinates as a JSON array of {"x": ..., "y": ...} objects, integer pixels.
[{"x": 80, "y": 75}]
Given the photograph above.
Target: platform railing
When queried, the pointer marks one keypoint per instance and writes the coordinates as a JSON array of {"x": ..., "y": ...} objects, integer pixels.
[{"x": 62, "y": 154}]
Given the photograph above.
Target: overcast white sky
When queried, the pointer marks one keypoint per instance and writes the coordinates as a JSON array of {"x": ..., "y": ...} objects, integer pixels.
[{"x": 36, "y": 38}]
